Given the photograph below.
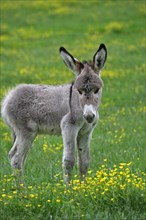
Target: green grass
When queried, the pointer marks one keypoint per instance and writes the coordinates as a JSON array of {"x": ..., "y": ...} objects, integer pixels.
[{"x": 31, "y": 34}]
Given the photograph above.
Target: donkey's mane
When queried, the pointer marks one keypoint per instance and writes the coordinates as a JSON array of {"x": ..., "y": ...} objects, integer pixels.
[{"x": 89, "y": 63}]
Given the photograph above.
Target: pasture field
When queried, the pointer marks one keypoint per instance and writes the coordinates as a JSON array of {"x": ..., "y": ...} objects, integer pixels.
[{"x": 31, "y": 33}]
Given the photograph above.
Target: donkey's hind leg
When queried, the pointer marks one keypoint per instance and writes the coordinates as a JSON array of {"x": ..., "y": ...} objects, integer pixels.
[{"x": 22, "y": 141}]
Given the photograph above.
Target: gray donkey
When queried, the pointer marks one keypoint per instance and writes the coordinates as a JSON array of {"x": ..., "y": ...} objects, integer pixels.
[{"x": 69, "y": 109}]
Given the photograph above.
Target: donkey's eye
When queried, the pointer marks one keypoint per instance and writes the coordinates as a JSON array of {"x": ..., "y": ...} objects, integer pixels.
[
  {"x": 96, "y": 91},
  {"x": 80, "y": 92}
]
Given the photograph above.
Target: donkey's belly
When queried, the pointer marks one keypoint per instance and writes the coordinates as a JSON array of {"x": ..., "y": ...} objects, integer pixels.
[
  {"x": 51, "y": 129},
  {"x": 48, "y": 123},
  {"x": 44, "y": 128},
  {"x": 52, "y": 124}
]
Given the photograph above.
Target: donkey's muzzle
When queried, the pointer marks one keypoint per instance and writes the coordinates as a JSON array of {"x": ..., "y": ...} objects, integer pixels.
[
  {"x": 89, "y": 113},
  {"x": 89, "y": 118}
]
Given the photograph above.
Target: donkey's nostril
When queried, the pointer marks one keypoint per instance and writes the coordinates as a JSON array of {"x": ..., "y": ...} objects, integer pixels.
[{"x": 89, "y": 118}]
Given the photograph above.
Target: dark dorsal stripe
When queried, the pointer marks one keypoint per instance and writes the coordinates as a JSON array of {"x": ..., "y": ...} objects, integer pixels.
[
  {"x": 70, "y": 94},
  {"x": 70, "y": 99}
]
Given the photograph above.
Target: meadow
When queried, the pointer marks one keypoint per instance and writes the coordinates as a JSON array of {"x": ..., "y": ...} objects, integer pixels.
[{"x": 31, "y": 34}]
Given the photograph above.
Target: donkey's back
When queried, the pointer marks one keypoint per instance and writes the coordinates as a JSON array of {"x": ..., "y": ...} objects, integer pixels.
[{"x": 37, "y": 108}]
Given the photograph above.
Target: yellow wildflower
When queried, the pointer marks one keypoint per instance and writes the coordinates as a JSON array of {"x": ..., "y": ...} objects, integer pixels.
[{"x": 58, "y": 200}]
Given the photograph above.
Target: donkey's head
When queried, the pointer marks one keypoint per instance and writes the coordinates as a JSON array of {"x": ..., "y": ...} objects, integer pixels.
[{"x": 88, "y": 82}]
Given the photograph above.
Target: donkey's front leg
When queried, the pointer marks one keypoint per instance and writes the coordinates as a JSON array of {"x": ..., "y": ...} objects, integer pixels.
[
  {"x": 83, "y": 143},
  {"x": 69, "y": 134}
]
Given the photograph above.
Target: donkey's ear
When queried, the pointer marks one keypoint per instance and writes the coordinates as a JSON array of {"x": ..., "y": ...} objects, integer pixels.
[
  {"x": 99, "y": 58},
  {"x": 71, "y": 62}
]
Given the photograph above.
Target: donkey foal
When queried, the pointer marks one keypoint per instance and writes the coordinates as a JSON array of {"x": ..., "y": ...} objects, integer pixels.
[{"x": 68, "y": 109}]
